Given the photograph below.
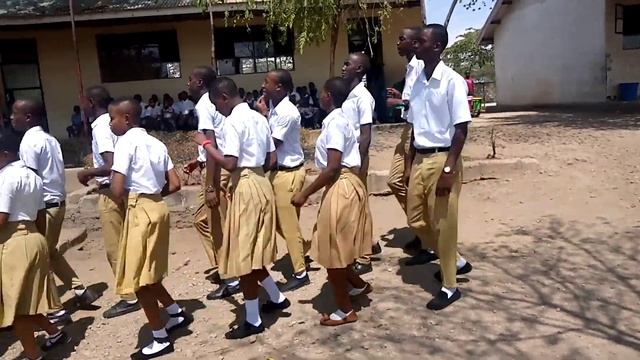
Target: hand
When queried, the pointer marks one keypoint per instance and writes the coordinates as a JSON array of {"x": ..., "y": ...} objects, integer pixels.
[
  {"x": 298, "y": 200},
  {"x": 261, "y": 106},
  {"x": 211, "y": 199},
  {"x": 393, "y": 93},
  {"x": 84, "y": 177},
  {"x": 445, "y": 184},
  {"x": 200, "y": 138},
  {"x": 191, "y": 166}
]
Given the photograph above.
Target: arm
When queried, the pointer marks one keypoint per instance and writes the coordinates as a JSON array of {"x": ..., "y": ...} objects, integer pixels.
[
  {"x": 408, "y": 159},
  {"x": 326, "y": 176},
  {"x": 212, "y": 175},
  {"x": 229, "y": 163},
  {"x": 459, "y": 138},
  {"x": 41, "y": 221},
  {"x": 117, "y": 186},
  {"x": 271, "y": 161},
  {"x": 365, "y": 143},
  {"x": 4, "y": 219},
  {"x": 86, "y": 175},
  {"x": 173, "y": 183}
]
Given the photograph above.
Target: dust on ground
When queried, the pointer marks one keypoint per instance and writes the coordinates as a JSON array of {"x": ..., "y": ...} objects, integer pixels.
[{"x": 555, "y": 255}]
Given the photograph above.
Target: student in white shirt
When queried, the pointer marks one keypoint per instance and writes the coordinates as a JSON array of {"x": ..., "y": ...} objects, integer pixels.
[
  {"x": 23, "y": 252},
  {"x": 211, "y": 213},
  {"x": 440, "y": 119},
  {"x": 288, "y": 179},
  {"x": 359, "y": 109},
  {"x": 103, "y": 142},
  {"x": 250, "y": 237},
  {"x": 41, "y": 153},
  {"x": 343, "y": 231},
  {"x": 394, "y": 98},
  {"x": 142, "y": 174}
]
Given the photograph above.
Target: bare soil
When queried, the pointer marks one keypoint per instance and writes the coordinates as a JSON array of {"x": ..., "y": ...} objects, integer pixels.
[{"x": 554, "y": 253}]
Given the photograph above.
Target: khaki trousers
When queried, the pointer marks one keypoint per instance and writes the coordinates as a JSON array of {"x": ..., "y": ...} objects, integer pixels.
[
  {"x": 209, "y": 222},
  {"x": 364, "y": 177},
  {"x": 435, "y": 219},
  {"x": 396, "y": 174},
  {"x": 58, "y": 264},
  {"x": 112, "y": 218},
  {"x": 286, "y": 183}
]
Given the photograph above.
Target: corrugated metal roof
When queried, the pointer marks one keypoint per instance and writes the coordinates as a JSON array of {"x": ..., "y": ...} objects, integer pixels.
[{"x": 39, "y": 8}]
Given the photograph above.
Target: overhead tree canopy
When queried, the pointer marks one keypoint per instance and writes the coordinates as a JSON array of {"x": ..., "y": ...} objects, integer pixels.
[{"x": 466, "y": 55}]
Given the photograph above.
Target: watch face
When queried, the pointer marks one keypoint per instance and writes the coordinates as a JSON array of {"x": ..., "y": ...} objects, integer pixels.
[{"x": 447, "y": 170}]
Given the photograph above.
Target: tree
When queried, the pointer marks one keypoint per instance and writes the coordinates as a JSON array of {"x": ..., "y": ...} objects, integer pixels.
[
  {"x": 466, "y": 55},
  {"x": 472, "y": 5},
  {"x": 315, "y": 21}
]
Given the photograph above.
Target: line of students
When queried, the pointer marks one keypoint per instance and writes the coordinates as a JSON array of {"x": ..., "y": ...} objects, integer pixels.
[{"x": 254, "y": 188}]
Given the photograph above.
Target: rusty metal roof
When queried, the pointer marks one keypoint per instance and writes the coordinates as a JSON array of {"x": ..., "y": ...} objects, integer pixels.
[{"x": 43, "y": 8}]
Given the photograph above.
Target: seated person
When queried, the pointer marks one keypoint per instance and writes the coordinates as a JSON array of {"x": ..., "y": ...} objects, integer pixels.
[
  {"x": 184, "y": 108},
  {"x": 151, "y": 114},
  {"x": 75, "y": 129},
  {"x": 169, "y": 114}
]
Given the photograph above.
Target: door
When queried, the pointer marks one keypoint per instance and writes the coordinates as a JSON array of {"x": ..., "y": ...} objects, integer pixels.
[
  {"x": 365, "y": 37},
  {"x": 19, "y": 73}
]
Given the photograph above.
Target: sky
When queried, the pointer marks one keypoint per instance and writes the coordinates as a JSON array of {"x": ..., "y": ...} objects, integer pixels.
[{"x": 462, "y": 18}]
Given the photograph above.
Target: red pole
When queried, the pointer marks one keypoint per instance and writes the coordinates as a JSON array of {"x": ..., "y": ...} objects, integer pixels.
[{"x": 78, "y": 65}]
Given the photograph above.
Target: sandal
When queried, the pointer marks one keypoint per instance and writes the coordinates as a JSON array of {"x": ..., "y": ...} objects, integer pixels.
[
  {"x": 327, "y": 321},
  {"x": 367, "y": 290}
]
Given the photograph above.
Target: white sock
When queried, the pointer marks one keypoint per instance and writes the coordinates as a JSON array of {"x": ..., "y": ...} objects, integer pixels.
[
  {"x": 173, "y": 309},
  {"x": 448, "y": 291},
  {"x": 59, "y": 312},
  {"x": 132, "y": 301},
  {"x": 252, "y": 310},
  {"x": 460, "y": 262},
  {"x": 232, "y": 282},
  {"x": 356, "y": 291},
  {"x": 79, "y": 292},
  {"x": 302, "y": 274},
  {"x": 274, "y": 293},
  {"x": 156, "y": 346},
  {"x": 339, "y": 315},
  {"x": 54, "y": 337}
]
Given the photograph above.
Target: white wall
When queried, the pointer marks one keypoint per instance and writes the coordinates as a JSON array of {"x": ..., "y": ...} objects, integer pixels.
[
  {"x": 551, "y": 52},
  {"x": 624, "y": 65}
]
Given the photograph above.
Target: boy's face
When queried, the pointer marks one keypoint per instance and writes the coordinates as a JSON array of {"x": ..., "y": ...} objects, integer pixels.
[
  {"x": 19, "y": 117},
  {"x": 222, "y": 103},
  {"x": 5, "y": 158},
  {"x": 325, "y": 100},
  {"x": 119, "y": 121},
  {"x": 270, "y": 86}
]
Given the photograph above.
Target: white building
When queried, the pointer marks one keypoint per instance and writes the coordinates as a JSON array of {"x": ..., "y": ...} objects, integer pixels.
[{"x": 551, "y": 52}]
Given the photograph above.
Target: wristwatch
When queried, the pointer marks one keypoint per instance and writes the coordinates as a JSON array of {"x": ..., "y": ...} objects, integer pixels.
[{"x": 447, "y": 170}]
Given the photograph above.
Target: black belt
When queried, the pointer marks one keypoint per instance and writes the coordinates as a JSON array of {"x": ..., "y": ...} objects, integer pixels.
[
  {"x": 54, "y": 205},
  {"x": 433, "y": 150},
  {"x": 104, "y": 186},
  {"x": 289, "y": 168}
]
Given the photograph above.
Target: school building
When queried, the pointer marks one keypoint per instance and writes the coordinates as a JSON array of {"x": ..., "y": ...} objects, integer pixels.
[
  {"x": 550, "y": 52},
  {"x": 149, "y": 47}
]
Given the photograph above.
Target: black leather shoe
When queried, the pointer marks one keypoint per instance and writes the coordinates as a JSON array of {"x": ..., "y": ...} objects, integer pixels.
[
  {"x": 361, "y": 269},
  {"x": 223, "y": 291},
  {"x": 441, "y": 300},
  {"x": 463, "y": 270},
  {"x": 376, "y": 249},
  {"x": 187, "y": 320},
  {"x": 271, "y": 307},
  {"x": 413, "y": 245},
  {"x": 122, "y": 307},
  {"x": 60, "y": 320},
  {"x": 295, "y": 282},
  {"x": 52, "y": 342},
  {"x": 244, "y": 331},
  {"x": 87, "y": 298},
  {"x": 167, "y": 350},
  {"x": 423, "y": 257}
]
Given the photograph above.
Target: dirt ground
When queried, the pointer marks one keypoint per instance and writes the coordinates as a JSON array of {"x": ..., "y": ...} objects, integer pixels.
[{"x": 553, "y": 253}]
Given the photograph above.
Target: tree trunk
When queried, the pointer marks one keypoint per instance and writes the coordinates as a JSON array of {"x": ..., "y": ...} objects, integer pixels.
[
  {"x": 335, "y": 32},
  {"x": 213, "y": 36}
]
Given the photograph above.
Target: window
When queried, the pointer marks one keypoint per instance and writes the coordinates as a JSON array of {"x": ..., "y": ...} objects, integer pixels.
[
  {"x": 628, "y": 24},
  {"x": 139, "y": 56},
  {"x": 248, "y": 50}
]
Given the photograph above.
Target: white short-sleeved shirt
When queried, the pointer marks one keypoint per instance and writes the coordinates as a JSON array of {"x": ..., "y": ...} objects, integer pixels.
[
  {"x": 104, "y": 140},
  {"x": 359, "y": 107},
  {"x": 284, "y": 121},
  {"x": 437, "y": 105},
  {"x": 209, "y": 119},
  {"x": 21, "y": 192},
  {"x": 143, "y": 160},
  {"x": 338, "y": 134},
  {"x": 183, "y": 107},
  {"x": 414, "y": 68},
  {"x": 42, "y": 153},
  {"x": 247, "y": 137},
  {"x": 152, "y": 111}
]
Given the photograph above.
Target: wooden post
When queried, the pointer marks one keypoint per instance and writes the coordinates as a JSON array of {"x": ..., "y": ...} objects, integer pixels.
[
  {"x": 85, "y": 121},
  {"x": 213, "y": 37},
  {"x": 423, "y": 7}
]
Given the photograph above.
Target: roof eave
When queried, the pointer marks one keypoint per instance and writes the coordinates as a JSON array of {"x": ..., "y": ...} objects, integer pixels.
[{"x": 492, "y": 23}]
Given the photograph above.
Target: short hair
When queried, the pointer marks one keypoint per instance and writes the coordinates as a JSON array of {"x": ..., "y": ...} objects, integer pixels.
[
  {"x": 364, "y": 60},
  {"x": 439, "y": 33},
  {"x": 130, "y": 104},
  {"x": 339, "y": 90},
  {"x": 9, "y": 142},
  {"x": 99, "y": 95},
  {"x": 33, "y": 107},
  {"x": 223, "y": 85},
  {"x": 414, "y": 32},
  {"x": 206, "y": 74},
  {"x": 284, "y": 78}
]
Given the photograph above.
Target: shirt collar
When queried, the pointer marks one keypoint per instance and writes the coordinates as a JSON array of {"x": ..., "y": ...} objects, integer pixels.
[
  {"x": 332, "y": 115},
  {"x": 240, "y": 108},
  {"x": 34, "y": 130},
  {"x": 136, "y": 131},
  {"x": 15, "y": 164},
  {"x": 438, "y": 71},
  {"x": 356, "y": 90},
  {"x": 413, "y": 62},
  {"x": 100, "y": 119},
  {"x": 279, "y": 109}
]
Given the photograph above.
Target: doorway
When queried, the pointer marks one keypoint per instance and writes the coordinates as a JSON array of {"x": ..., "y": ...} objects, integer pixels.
[
  {"x": 19, "y": 74},
  {"x": 365, "y": 36}
]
